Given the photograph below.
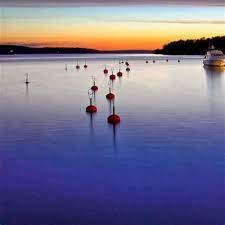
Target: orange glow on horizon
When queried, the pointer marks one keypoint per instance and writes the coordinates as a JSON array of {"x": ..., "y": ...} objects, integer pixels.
[
  {"x": 98, "y": 43},
  {"x": 103, "y": 36}
]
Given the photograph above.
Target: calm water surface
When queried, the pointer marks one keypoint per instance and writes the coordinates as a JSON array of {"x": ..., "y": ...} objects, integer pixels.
[{"x": 163, "y": 165}]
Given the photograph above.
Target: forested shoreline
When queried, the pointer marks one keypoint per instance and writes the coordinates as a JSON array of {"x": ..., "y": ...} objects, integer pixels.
[{"x": 192, "y": 47}]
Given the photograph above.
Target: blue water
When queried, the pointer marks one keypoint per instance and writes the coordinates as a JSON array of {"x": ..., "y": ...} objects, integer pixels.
[{"x": 163, "y": 165}]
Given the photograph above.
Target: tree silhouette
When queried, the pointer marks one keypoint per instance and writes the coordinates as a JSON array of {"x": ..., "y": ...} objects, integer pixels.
[{"x": 192, "y": 47}]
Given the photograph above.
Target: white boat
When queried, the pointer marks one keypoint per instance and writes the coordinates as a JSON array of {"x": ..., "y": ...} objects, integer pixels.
[{"x": 214, "y": 57}]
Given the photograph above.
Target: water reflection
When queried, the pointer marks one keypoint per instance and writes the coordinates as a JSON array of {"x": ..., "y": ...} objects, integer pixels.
[
  {"x": 114, "y": 126},
  {"x": 27, "y": 91},
  {"x": 94, "y": 97},
  {"x": 120, "y": 82},
  {"x": 114, "y": 137},
  {"x": 91, "y": 125},
  {"x": 214, "y": 79}
]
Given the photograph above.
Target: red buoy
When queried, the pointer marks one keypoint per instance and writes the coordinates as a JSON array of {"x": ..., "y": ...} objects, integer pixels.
[
  {"x": 91, "y": 108},
  {"x": 119, "y": 74},
  {"x": 94, "y": 87},
  {"x": 114, "y": 119},
  {"x": 110, "y": 95},
  {"x": 85, "y": 65},
  {"x": 112, "y": 77},
  {"x": 105, "y": 71},
  {"x": 77, "y": 66}
]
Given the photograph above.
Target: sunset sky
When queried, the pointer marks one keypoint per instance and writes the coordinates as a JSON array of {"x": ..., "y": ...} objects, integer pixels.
[{"x": 109, "y": 24}]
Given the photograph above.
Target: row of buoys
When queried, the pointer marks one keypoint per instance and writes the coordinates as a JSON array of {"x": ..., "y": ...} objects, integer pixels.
[
  {"x": 85, "y": 65},
  {"x": 127, "y": 65},
  {"x": 78, "y": 66},
  {"x": 113, "y": 76},
  {"x": 119, "y": 74},
  {"x": 91, "y": 108},
  {"x": 121, "y": 61},
  {"x": 113, "y": 118},
  {"x": 154, "y": 61}
]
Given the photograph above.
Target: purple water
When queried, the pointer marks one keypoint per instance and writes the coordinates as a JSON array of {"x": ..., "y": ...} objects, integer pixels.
[{"x": 163, "y": 165}]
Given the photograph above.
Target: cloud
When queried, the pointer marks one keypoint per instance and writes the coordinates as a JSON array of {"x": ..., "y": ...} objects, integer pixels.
[
  {"x": 83, "y": 3},
  {"x": 168, "y": 21}
]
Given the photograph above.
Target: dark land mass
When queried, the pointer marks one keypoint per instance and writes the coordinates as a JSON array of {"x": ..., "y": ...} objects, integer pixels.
[
  {"x": 181, "y": 47},
  {"x": 192, "y": 47},
  {"x": 16, "y": 49}
]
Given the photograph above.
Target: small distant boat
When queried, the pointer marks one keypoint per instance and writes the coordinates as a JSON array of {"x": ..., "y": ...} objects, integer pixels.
[{"x": 214, "y": 57}]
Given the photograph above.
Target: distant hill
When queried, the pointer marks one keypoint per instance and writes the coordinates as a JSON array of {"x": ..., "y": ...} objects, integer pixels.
[
  {"x": 192, "y": 47},
  {"x": 17, "y": 49}
]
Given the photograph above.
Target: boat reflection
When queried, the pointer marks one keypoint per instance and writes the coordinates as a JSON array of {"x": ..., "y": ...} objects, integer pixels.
[{"x": 214, "y": 79}]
